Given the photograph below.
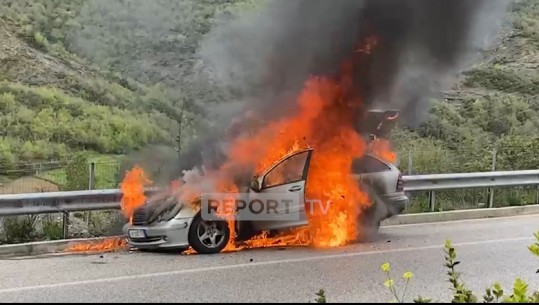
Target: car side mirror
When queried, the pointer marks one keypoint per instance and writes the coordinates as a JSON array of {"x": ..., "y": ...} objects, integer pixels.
[{"x": 255, "y": 185}]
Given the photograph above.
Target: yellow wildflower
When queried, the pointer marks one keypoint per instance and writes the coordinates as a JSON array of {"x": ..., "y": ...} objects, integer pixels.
[
  {"x": 386, "y": 267},
  {"x": 408, "y": 275}
]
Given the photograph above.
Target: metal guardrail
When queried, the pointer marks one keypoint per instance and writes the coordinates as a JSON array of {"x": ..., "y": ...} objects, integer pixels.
[
  {"x": 55, "y": 202},
  {"x": 441, "y": 182},
  {"x": 77, "y": 201},
  {"x": 62, "y": 202}
]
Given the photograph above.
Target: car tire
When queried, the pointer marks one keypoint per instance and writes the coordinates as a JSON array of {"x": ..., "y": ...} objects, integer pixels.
[
  {"x": 370, "y": 219},
  {"x": 369, "y": 226},
  {"x": 216, "y": 238}
]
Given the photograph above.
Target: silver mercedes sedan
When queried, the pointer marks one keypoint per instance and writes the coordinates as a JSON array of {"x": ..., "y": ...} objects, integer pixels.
[{"x": 172, "y": 225}]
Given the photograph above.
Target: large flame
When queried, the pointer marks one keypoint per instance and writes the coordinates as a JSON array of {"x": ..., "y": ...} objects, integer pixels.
[
  {"x": 132, "y": 188},
  {"x": 381, "y": 148},
  {"x": 324, "y": 121}
]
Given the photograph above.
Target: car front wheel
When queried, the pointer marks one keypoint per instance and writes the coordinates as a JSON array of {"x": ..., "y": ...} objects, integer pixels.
[{"x": 208, "y": 236}]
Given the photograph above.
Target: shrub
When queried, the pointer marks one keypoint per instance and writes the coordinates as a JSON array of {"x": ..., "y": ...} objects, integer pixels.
[
  {"x": 40, "y": 40},
  {"x": 52, "y": 228},
  {"x": 18, "y": 229},
  {"x": 78, "y": 173},
  {"x": 321, "y": 296}
]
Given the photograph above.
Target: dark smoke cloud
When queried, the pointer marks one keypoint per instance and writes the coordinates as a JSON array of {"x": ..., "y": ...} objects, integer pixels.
[
  {"x": 267, "y": 55},
  {"x": 264, "y": 58}
]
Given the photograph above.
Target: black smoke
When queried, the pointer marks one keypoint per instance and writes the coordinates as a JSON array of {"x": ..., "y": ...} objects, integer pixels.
[
  {"x": 423, "y": 44},
  {"x": 265, "y": 56}
]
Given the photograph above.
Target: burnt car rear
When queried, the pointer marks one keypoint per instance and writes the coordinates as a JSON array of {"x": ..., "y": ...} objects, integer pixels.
[{"x": 380, "y": 178}]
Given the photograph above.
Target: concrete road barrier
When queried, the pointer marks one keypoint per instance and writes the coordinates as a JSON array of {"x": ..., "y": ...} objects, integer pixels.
[
  {"x": 60, "y": 246},
  {"x": 461, "y": 215},
  {"x": 46, "y": 247}
]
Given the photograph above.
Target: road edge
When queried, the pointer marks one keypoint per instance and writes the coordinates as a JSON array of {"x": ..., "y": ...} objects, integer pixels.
[
  {"x": 47, "y": 247},
  {"x": 431, "y": 217}
]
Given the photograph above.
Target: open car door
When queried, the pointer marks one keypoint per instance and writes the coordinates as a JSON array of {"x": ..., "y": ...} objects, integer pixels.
[{"x": 283, "y": 187}]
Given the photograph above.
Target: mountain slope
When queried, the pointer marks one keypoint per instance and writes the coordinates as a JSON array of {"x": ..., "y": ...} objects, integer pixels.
[
  {"x": 495, "y": 106},
  {"x": 50, "y": 106}
]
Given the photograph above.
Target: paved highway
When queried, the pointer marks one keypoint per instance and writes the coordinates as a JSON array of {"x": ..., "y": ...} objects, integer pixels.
[{"x": 490, "y": 250}]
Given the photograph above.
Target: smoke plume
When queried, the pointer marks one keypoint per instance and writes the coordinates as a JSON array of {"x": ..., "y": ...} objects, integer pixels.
[
  {"x": 265, "y": 56},
  {"x": 423, "y": 44}
]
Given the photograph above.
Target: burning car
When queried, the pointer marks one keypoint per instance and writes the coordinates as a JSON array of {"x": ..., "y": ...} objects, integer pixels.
[{"x": 169, "y": 223}]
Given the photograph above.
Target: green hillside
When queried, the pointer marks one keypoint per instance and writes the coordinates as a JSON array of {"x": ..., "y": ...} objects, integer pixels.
[
  {"x": 102, "y": 76},
  {"x": 494, "y": 106},
  {"x": 54, "y": 102}
]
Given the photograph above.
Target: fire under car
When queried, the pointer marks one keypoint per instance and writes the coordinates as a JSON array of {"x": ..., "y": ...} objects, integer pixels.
[{"x": 178, "y": 226}]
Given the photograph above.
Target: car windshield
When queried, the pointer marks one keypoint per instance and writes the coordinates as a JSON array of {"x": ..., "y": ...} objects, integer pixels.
[{"x": 368, "y": 164}]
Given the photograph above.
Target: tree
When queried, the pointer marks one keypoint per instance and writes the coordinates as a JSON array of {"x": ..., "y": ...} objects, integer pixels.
[{"x": 78, "y": 173}]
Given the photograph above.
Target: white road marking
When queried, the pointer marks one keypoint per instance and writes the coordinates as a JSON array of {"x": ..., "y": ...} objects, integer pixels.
[{"x": 244, "y": 265}]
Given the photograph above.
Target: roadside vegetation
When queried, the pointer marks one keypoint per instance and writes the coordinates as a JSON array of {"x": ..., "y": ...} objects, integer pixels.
[{"x": 521, "y": 292}]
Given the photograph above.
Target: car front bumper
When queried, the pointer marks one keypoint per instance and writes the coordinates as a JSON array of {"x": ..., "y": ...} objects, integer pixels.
[{"x": 163, "y": 235}]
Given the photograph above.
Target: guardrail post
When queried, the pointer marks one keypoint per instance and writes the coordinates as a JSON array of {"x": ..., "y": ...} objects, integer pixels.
[
  {"x": 65, "y": 225},
  {"x": 432, "y": 202},
  {"x": 91, "y": 186},
  {"x": 410, "y": 163},
  {"x": 491, "y": 190}
]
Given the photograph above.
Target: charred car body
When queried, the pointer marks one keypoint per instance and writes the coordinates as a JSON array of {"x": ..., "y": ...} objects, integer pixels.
[{"x": 170, "y": 224}]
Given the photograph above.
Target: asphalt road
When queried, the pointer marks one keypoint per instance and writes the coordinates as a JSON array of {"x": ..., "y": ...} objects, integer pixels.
[{"x": 490, "y": 250}]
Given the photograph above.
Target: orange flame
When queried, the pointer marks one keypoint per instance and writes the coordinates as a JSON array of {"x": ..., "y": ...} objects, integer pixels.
[
  {"x": 132, "y": 188},
  {"x": 298, "y": 237},
  {"x": 227, "y": 212},
  {"x": 107, "y": 245},
  {"x": 325, "y": 122},
  {"x": 381, "y": 148}
]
